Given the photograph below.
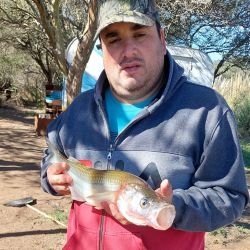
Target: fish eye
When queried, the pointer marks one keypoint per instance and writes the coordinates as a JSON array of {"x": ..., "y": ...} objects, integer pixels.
[{"x": 144, "y": 202}]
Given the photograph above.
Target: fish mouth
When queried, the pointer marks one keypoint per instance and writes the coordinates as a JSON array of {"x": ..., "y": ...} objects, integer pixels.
[{"x": 164, "y": 218}]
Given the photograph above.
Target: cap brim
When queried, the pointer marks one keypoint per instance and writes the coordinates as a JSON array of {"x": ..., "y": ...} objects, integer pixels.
[{"x": 136, "y": 18}]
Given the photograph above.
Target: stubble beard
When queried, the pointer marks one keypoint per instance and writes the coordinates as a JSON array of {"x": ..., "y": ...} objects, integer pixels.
[{"x": 136, "y": 91}]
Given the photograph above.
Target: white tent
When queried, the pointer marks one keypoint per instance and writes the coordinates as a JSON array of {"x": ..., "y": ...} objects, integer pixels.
[{"x": 198, "y": 67}]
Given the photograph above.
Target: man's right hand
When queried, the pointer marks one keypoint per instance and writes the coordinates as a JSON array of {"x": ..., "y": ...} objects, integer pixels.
[{"x": 59, "y": 178}]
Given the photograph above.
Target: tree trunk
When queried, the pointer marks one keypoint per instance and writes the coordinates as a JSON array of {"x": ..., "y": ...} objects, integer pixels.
[{"x": 86, "y": 44}]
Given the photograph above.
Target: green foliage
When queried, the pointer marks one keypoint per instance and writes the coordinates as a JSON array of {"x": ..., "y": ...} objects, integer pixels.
[
  {"x": 242, "y": 114},
  {"x": 8, "y": 68},
  {"x": 21, "y": 76},
  {"x": 212, "y": 26},
  {"x": 60, "y": 215},
  {"x": 42, "y": 30},
  {"x": 230, "y": 233},
  {"x": 221, "y": 231},
  {"x": 245, "y": 145},
  {"x": 236, "y": 90}
]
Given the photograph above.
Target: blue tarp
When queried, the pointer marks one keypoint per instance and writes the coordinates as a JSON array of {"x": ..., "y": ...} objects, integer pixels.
[
  {"x": 54, "y": 95},
  {"x": 88, "y": 82}
]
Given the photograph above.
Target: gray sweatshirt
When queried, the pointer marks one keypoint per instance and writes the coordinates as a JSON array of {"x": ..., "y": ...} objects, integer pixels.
[{"x": 186, "y": 135}]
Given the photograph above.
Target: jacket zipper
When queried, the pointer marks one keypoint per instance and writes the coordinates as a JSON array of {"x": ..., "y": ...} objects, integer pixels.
[{"x": 109, "y": 157}]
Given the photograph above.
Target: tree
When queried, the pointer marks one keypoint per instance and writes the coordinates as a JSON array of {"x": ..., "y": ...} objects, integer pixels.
[
  {"x": 83, "y": 52},
  {"x": 45, "y": 28},
  {"x": 53, "y": 23},
  {"x": 20, "y": 30},
  {"x": 219, "y": 26},
  {"x": 21, "y": 80}
]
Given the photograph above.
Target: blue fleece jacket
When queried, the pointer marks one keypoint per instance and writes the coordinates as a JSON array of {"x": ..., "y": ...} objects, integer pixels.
[{"x": 186, "y": 135}]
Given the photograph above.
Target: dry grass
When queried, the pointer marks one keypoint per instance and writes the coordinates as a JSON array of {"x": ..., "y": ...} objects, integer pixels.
[
  {"x": 234, "y": 88},
  {"x": 236, "y": 91}
]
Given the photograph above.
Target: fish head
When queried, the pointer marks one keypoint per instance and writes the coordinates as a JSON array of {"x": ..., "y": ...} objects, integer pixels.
[{"x": 141, "y": 205}]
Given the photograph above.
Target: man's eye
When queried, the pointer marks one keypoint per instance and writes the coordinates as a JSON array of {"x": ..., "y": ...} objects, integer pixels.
[
  {"x": 140, "y": 35},
  {"x": 112, "y": 41}
]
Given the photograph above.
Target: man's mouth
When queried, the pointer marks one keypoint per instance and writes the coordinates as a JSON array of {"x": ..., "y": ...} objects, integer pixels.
[{"x": 130, "y": 67}]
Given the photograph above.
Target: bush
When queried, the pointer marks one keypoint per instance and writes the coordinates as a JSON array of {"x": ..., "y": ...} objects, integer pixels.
[
  {"x": 245, "y": 145},
  {"x": 236, "y": 90},
  {"x": 242, "y": 114}
]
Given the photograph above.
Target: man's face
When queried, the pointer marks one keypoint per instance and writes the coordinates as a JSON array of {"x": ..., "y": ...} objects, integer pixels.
[{"x": 133, "y": 57}]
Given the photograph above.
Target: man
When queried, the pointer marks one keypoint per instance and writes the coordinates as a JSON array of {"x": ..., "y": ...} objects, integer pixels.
[{"x": 144, "y": 117}]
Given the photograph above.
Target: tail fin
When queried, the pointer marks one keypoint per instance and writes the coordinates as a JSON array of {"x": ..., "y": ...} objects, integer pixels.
[{"x": 59, "y": 157}]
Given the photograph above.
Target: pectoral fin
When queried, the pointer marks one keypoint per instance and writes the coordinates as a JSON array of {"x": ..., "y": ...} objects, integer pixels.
[
  {"x": 97, "y": 199},
  {"x": 75, "y": 195}
]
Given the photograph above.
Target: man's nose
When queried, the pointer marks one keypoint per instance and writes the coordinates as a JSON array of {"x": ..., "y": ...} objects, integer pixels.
[{"x": 129, "y": 47}]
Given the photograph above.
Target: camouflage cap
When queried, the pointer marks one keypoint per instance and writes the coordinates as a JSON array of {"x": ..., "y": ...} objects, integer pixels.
[{"x": 142, "y": 12}]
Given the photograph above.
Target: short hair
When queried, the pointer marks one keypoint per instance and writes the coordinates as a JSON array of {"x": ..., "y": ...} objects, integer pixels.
[{"x": 158, "y": 27}]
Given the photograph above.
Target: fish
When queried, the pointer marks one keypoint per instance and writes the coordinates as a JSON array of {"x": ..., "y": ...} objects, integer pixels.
[{"x": 133, "y": 196}]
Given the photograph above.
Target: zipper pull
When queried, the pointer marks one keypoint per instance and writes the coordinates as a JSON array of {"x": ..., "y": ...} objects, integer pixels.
[
  {"x": 109, "y": 156},
  {"x": 110, "y": 152}
]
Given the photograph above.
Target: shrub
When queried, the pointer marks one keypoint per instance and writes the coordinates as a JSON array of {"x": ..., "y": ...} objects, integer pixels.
[
  {"x": 242, "y": 114},
  {"x": 236, "y": 90}
]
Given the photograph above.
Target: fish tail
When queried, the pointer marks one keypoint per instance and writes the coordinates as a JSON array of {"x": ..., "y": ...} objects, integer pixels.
[{"x": 55, "y": 152}]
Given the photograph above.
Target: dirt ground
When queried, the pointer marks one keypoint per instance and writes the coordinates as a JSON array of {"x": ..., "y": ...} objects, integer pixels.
[{"x": 22, "y": 228}]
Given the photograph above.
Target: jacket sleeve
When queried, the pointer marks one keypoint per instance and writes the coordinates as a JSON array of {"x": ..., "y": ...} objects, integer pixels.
[
  {"x": 53, "y": 137},
  {"x": 218, "y": 193}
]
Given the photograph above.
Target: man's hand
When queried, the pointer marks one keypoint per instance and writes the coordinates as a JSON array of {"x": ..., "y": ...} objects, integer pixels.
[
  {"x": 59, "y": 178},
  {"x": 164, "y": 190}
]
